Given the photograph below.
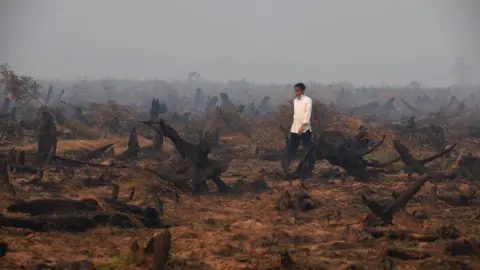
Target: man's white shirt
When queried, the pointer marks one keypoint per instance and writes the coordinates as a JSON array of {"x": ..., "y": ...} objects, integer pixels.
[{"x": 302, "y": 111}]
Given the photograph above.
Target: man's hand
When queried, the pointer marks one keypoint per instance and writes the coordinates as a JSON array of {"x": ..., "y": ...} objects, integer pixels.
[{"x": 300, "y": 130}]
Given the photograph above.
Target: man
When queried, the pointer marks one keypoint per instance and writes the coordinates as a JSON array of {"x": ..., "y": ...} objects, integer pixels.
[{"x": 301, "y": 131}]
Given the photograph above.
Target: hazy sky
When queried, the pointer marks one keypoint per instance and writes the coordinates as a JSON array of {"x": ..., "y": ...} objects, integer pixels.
[{"x": 272, "y": 41}]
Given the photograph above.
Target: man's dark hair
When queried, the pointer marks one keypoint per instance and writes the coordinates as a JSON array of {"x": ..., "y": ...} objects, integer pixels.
[{"x": 301, "y": 86}]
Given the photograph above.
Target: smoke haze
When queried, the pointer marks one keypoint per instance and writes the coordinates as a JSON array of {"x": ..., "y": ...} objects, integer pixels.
[{"x": 269, "y": 41}]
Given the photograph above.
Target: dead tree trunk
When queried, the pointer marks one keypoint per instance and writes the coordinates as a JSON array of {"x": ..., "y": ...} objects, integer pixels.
[
  {"x": 133, "y": 148},
  {"x": 199, "y": 99},
  {"x": 19, "y": 130},
  {"x": 49, "y": 95},
  {"x": 5, "y": 184},
  {"x": 161, "y": 248},
  {"x": 6, "y": 105},
  {"x": 95, "y": 153},
  {"x": 198, "y": 154},
  {"x": 156, "y": 109},
  {"x": 46, "y": 136},
  {"x": 158, "y": 141}
]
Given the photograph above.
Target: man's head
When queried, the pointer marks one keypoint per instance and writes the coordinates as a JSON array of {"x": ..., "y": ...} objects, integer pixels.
[{"x": 299, "y": 89}]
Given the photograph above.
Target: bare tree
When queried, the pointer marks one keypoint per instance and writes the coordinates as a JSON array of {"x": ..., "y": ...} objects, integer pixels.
[{"x": 19, "y": 88}]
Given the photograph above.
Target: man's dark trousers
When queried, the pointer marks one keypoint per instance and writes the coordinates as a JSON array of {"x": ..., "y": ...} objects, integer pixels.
[{"x": 295, "y": 140}]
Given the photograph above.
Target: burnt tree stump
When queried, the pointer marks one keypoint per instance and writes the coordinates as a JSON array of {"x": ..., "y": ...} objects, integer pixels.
[
  {"x": 46, "y": 136},
  {"x": 156, "y": 109},
  {"x": 133, "y": 147},
  {"x": 204, "y": 168},
  {"x": 5, "y": 184}
]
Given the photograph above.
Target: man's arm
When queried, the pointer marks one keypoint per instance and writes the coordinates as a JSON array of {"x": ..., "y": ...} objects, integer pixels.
[{"x": 308, "y": 112}]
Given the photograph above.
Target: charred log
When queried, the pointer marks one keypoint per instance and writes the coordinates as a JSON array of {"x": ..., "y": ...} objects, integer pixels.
[
  {"x": 3, "y": 249},
  {"x": 385, "y": 213},
  {"x": 95, "y": 153},
  {"x": 348, "y": 153},
  {"x": 413, "y": 165},
  {"x": 83, "y": 264},
  {"x": 70, "y": 223},
  {"x": 50, "y": 206},
  {"x": 74, "y": 162}
]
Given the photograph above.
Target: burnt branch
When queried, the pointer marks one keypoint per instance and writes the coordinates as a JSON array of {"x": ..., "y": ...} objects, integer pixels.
[{"x": 205, "y": 168}]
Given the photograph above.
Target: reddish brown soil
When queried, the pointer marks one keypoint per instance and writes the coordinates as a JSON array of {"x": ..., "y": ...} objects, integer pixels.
[{"x": 246, "y": 231}]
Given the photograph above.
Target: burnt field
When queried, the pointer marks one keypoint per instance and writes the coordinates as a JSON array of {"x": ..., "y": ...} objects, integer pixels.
[{"x": 111, "y": 186}]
